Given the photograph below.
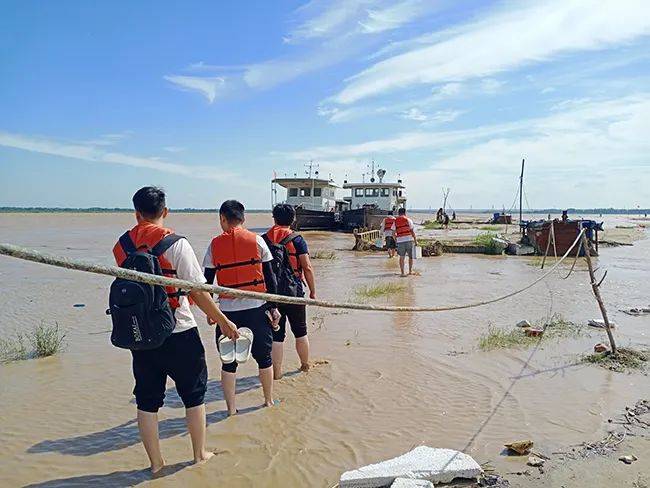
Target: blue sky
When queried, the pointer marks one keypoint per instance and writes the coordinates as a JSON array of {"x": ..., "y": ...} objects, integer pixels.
[{"x": 209, "y": 98}]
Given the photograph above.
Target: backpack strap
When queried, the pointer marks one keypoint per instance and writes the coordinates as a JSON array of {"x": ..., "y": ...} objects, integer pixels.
[
  {"x": 165, "y": 243},
  {"x": 127, "y": 243},
  {"x": 288, "y": 239}
]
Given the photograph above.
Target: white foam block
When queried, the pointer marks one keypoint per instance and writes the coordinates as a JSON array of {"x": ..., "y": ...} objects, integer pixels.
[
  {"x": 411, "y": 483},
  {"x": 422, "y": 463}
]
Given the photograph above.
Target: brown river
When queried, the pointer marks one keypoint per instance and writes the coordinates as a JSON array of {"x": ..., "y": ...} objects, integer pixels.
[{"x": 391, "y": 381}]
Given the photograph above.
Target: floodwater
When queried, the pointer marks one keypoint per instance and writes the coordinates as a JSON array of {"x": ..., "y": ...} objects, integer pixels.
[{"x": 393, "y": 381}]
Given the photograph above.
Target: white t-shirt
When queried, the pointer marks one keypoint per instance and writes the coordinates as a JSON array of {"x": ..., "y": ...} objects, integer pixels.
[
  {"x": 183, "y": 260},
  {"x": 237, "y": 304},
  {"x": 407, "y": 237}
]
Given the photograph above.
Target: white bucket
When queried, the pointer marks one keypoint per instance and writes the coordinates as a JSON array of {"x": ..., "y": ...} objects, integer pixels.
[
  {"x": 418, "y": 252},
  {"x": 379, "y": 242}
]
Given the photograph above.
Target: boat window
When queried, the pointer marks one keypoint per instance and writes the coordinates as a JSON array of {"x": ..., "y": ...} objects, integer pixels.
[
  {"x": 293, "y": 192},
  {"x": 385, "y": 192},
  {"x": 318, "y": 192},
  {"x": 358, "y": 192},
  {"x": 372, "y": 192},
  {"x": 305, "y": 192}
]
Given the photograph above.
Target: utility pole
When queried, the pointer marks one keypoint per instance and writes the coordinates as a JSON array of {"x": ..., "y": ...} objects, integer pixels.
[{"x": 521, "y": 195}]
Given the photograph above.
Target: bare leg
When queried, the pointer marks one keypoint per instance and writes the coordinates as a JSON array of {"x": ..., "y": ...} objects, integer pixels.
[
  {"x": 195, "y": 418},
  {"x": 302, "y": 348},
  {"x": 148, "y": 426},
  {"x": 266, "y": 378},
  {"x": 401, "y": 265},
  {"x": 228, "y": 384},
  {"x": 410, "y": 265},
  {"x": 277, "y": 354}
]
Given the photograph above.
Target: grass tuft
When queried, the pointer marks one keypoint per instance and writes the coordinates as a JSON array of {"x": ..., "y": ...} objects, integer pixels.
[
  {"x": 516, "y": 338},
  {"x": 432, "y": 225},
  {"x": 323, "y": 254},
  {"x": 625, "y": 360},
  {"x": 43, "y": 341},
  {"x": 381, "y": 289},
  {"x": 489, "y": 242},
  {"x": 490, "y": 227}
]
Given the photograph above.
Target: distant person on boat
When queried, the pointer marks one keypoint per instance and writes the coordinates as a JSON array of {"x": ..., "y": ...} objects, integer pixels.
[
  {"x": 405, "y": 236},
  {"x": 181, "y": 356},
  {"x": 301, "y": 269},
  {"x": 238, "y": 258},
  {"x": 387, "y": 230}
]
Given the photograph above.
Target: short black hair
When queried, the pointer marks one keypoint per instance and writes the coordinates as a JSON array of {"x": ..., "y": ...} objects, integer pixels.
[
  {"x": 284, "y": 214},
  {"x": 150, "y": 201},
  {"x": 232, "y": 211},
  {"x": 401, "y": 211}
]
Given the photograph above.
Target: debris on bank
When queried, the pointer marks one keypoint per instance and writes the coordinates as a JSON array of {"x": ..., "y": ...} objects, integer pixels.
[
  {"x": 625, "y": 359},
  {"x": 422, "y": 463}
]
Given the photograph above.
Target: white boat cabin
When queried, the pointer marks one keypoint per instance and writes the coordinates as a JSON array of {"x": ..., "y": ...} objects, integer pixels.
[
  {"x": 386, "y": 196},
  {"x": 310, "y": 193}
]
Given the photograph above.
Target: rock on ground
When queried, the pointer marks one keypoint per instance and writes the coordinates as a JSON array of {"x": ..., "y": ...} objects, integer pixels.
[{"x": 422, "y": 463}]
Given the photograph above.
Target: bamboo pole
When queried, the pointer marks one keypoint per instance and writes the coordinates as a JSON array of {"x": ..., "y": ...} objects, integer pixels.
[{"x": 595, "y": 286}]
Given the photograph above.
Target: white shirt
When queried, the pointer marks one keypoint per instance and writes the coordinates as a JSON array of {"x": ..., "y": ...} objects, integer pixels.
[
  {"x": 237, "y": 304},
  {"x": 407, "y": 237},
  {"x": 183, "y": 260}
]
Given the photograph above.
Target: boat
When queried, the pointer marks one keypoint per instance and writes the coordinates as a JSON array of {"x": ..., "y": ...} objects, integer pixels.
[
  {"x": 558, "y": 235},
  {"x": 369, "y": 202},
  {"x": 314, "y": 200}
]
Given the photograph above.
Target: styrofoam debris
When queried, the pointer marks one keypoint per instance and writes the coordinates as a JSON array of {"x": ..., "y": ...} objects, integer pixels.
[
  {"x": 411, "y": 483},
  {"x": 422, "y": 463}
]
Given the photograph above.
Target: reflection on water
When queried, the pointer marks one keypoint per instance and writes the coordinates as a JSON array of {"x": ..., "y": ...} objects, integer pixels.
[{"x": 393, "y": 381}]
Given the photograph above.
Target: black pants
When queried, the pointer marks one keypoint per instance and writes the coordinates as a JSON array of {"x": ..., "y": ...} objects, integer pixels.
[
  {"x": 257, "y": 321},
  {"x": 297, "y": 316},
  {"x": 182, "y": 358}
]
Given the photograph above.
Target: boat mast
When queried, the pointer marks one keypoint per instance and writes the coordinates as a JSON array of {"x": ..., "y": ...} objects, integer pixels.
[{"x": 521, "y": 194}]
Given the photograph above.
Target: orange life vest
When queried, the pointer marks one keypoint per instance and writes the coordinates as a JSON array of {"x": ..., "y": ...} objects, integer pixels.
[
  {"x": 388, "y": 223},
  {"x": 146, "y": 235},
  {"x": 402, "y": 226},
  {"x": 236, "y": 257},
  {"x": 276, "y": 234}
]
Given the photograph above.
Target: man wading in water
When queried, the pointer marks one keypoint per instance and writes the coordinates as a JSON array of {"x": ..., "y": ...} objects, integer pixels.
[
  {"x": 283, "y": 216},
  {"x": 405, "y": 237},
  {"x": 181, "y": 356},
  {"x": 240, "y": 259}
]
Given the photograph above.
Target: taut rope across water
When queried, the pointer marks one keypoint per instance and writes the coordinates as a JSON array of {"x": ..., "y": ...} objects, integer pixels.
[{"x": 74, "y": 264}]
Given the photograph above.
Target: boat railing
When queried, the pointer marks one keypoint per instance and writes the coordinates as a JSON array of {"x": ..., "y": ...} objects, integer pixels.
[{"x": 365, "y": 237}]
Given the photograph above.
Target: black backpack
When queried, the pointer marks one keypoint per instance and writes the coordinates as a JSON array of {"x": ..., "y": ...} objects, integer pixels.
[
  {"x": 289, "y": 284},
  {"x": 141, "y": 314}
]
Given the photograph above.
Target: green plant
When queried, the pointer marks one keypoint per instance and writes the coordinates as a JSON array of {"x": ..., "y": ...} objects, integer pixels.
[
  {"x": 432, "y": 225},
  {"x": 378, "y": 290},
  {"x": 626, "y": 359},
  {"x": 488, "y": 241},
  {"x": 490, "y": 227},
  {"x": 498, "y": 338},
  {"x": 47, "y": 340},
  {"x": 13, "y": 348}
]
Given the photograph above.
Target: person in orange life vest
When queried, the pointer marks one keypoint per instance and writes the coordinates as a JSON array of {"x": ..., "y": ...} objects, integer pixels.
[
  {"x": 181, "y": 356},
  {"x": 387, "y": 230},
  {"x": 405, "y": 237},
  {"x": 240, "y": 259},
  {"x": 283, "y": 216}
]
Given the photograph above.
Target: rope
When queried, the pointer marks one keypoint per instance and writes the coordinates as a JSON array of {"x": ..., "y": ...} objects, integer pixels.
[{"x": 128, "y": 274}]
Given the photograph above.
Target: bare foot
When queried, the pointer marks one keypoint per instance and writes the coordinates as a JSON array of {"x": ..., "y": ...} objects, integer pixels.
[
  {"x": 305, "y": 367},
  {"x": 203, "y": 457},
  {"x": 277, "y": 376},
  {"x": 232, "y": 414},
  {"x": 271, "y": 403},
  {"x": 157, "y": 468}
]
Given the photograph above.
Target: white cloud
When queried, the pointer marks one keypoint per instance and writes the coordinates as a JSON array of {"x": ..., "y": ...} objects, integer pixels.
[
  {"x": 394, "y": 16},
  {"x": 97, "y": 154},
  {"x": 505, "y": 40},
  {"x": 209, "y": 87},
  {"x": 414, "y": 113},
  {"x": 491, "y": 86},
  {"x": 324, "y": 20},
  {"x": 173, "y": 149}
]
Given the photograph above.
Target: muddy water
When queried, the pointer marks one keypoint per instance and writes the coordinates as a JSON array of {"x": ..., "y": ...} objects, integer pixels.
[{"x": 392, "y": 382}]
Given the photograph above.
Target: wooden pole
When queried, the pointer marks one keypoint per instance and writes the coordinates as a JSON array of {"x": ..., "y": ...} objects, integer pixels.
[
  {"x": 595, "y": 286},
  {"x": 521, "y": 194}
]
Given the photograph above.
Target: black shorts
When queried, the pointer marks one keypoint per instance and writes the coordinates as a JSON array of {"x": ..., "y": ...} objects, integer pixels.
[
  {"x": 297, "y": 315},
  {"x": 182, "y": 358},
  {"x": 257, "y": 321},
  {"x": 390, "y": 242}
]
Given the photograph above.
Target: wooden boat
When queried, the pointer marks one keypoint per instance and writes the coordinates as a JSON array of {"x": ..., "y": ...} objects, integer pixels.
[{"x": 538, "y": 234}]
